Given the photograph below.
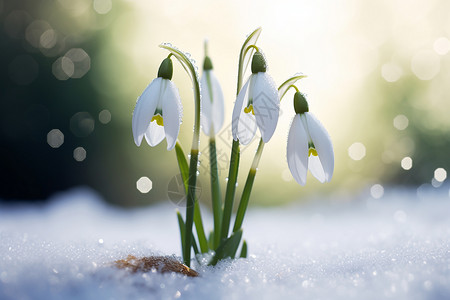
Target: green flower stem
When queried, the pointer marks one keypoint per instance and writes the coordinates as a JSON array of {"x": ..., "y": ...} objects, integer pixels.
[
  {"x": 282, "y": 90},
  {"x": 244, "y": 59},
  {"x": 182, "y": 233},
  {"x": 184, "y": 171},
  {"x": 231, "y": 190},
  {"x": 245, "y": 56},
  {"x": 192, "y": 179},
  {"x": 215, "y": 191},
  {"x": 248, "y": 188}
]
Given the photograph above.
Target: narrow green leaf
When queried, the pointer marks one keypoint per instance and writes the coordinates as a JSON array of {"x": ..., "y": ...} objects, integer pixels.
[
  {"x": 182, "y": 229},
  {"x": 243, "y": 204},
  {"x": 183, "y": 165},
  {"x": 231, "y": 190},
  {"x": 244, "y": 250},
  {"x": 211, "y": 239},
  {"x": 181, "y": 225},
  {"x": 227, "y": 248},
  {"x": 199, "y": 227}
]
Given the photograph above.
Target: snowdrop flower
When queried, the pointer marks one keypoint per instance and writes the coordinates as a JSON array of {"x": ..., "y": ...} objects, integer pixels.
[
  {"x": 157, "y": 114},
  {"x": 309, "y": 145},
  {"x": 257, "y": 105},
  {"x": 212, "y": 101}
]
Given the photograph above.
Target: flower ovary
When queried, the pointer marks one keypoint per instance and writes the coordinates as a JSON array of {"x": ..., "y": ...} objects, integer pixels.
[
  {"x": 166, "y": 69},
  {"x": 258, "y": 63},
  {"x": 300, "y": 103}
]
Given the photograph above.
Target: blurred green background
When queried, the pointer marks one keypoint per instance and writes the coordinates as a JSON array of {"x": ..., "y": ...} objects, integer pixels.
[{"x": 71, "y": 71}]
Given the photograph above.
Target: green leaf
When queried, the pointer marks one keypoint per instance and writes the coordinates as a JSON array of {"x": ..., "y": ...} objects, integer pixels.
[
  {"x": 182, "y": 229},
  {"x": 230, "y": 190},
  {"x": 211, "y": 239},
  {"x": 199, "y": 227},
  {"x": 183, "y": 165},
  {"x": 181, "y": 225},
  {"x": 227, "y": 248},
  {"x": 244, "y": 250}
]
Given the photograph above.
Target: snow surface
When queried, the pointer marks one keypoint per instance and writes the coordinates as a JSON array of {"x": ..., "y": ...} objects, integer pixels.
[{"x": 396, "y": 247}]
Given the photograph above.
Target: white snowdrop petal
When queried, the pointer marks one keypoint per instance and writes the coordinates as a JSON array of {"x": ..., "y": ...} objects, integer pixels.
[
  {"x": 323, "y": 145},
  {"x": 316, "y": 168},
  {"x": 218, "y": 104},
  {"x": 206, "y": 118},
  {"x": 154, "y": 134},
  {"x": 238, "y": 108},
  {"x": 297, "y": 151},
  {"x": 212, "y": 103},
  {"x": 246, "y": 128},
  {"x": 144, "y": 110},
  {"x": 171, "y": 107},
  {"x": 266, "y": 105}
]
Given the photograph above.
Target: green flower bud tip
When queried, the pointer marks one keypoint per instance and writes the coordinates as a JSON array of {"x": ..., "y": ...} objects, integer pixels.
[
  {"x": 258, "y": 63},
  {"x": 207, "y": 64},
  {"x": 166, "y": 69},
  {"x": 300, "y": 103}
]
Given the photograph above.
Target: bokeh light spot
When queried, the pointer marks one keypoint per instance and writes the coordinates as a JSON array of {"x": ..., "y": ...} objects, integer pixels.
[
  {"x": 48, "y": 39},
  {"x": 23, "y": 69},
  {"x": 67, "y": 66},
  {"x": 407, "y": 163},
  {"x": 82, "y": 124},
  {"x": 401, "y": 122},
  {"x": 391, "y": 72},
  {"x": 77, "y": 8},
  {"x": 104, "y": 116},
  {"x": 102, "y": 6},
  {"x": 357, "y": 151},
  {"x": 425, "y": 65},
  {"x": 55, "y": 138},
  {"x": 377, "y": 191},
  {"x": 80, "y": 60},
  {"x": 441, "y": 45},
  {"x": 144, "y": 185},
  {"x": 34, "y": 32},
  {"x": 440, "y": 174},
  {"x": 79, "y": 154}
]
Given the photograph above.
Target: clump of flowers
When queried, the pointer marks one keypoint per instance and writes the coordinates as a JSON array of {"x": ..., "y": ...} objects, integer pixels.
[{"x": 157, "y": 115}]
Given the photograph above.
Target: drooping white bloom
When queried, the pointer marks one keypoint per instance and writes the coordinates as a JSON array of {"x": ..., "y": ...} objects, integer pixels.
[
  {"x": 309, "y": 147},
  {"x": 157, "y": 114},
  {"x": 212, "y": 104},
  {"x": 257, "y": 105}
]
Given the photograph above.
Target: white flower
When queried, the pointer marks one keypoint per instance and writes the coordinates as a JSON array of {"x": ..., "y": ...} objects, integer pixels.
[
  {"x": 157, "y": 114},
  {"x": 257, "y": 105},
  {"x": 212, "y": 104},
  {"x": 309, "y": 147}
]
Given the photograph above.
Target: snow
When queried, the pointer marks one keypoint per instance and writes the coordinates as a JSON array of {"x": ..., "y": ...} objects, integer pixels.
[{"x": 395, "y": 247}]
